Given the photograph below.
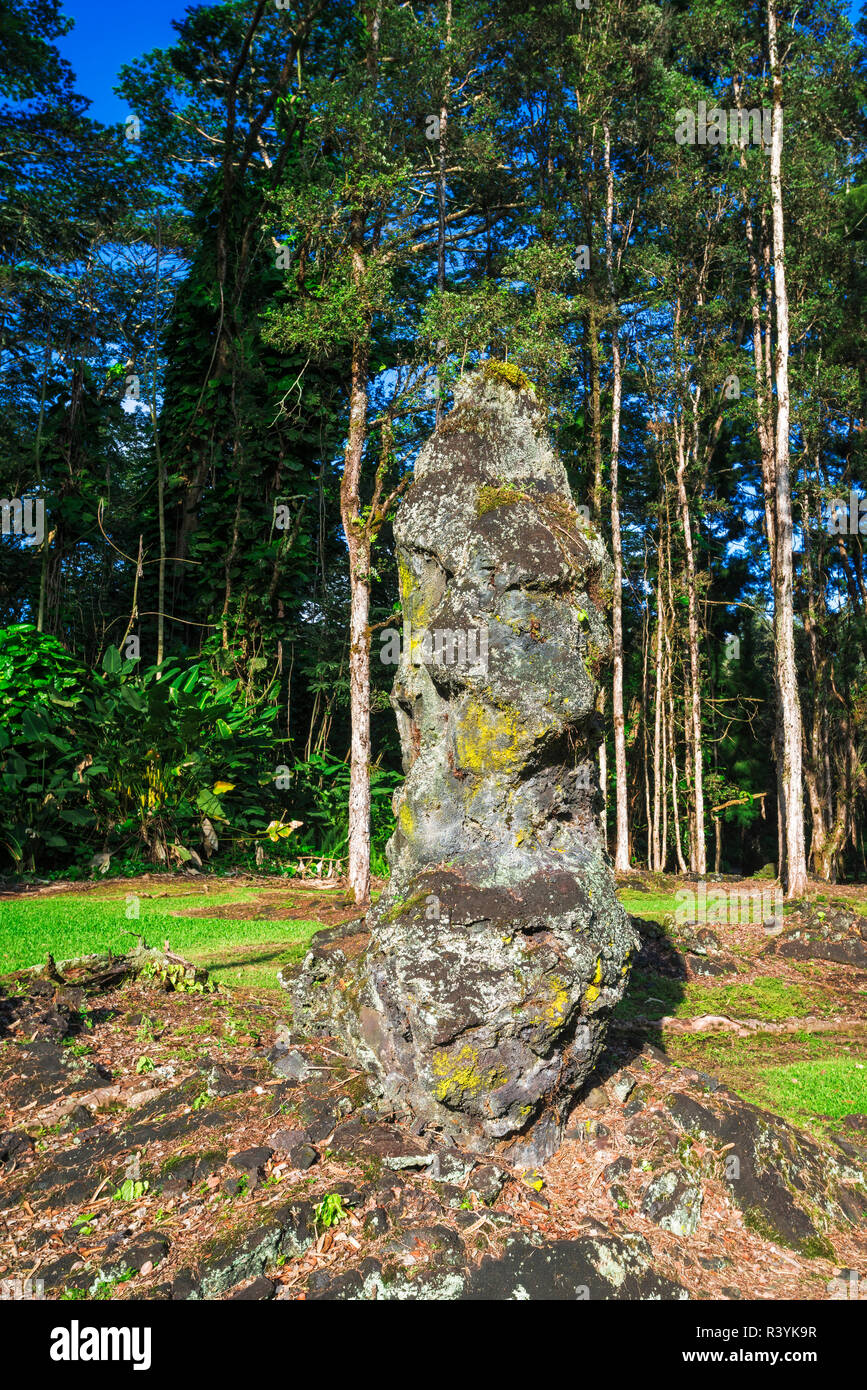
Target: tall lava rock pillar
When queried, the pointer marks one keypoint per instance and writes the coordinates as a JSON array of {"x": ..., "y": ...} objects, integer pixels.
[{"x": 481, "y": 985}]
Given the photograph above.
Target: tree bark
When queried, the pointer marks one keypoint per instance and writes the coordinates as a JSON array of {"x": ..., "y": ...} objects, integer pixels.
[
  {"x": 697, "y": 848},
  {"x": 441, "y": 192},
  {"x": 784, "y": 626},
  {"x": 358, "y": 546},
  {"x": 621, "y": 850}
]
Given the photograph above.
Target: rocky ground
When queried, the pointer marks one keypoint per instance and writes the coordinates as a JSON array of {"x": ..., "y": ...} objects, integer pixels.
[{"x": 158, "y": 1140}]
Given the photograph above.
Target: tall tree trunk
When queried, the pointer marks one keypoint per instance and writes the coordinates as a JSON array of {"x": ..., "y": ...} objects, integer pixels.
[
  {"x": 697, "y": 849},
  {"x": 595, "y": 405},
  {"x": 658, "y": 734},
  {"x": 645, "y": 704},
  {"x": 161, "y": 493},
  {"x": 603, "y": 766},
  {"x": 818, "y": 792},
  {"x": 358, "y": 546},
  {"x": 441, "y": 190},
  {"x": 784, "y": 625},
  {"x": 43, "y": 563},
  {"x": 621, "y": 850}
]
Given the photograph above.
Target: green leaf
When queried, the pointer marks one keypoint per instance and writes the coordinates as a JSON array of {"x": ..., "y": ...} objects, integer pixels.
[{"x": 209, "y": 804}]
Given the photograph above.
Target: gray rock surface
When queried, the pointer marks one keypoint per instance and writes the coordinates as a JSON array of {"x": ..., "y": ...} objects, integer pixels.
[{"x": 480, "y": 989}]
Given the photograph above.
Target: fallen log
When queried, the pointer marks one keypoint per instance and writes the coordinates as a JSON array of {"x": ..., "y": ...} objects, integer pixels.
[{"x": 96, "y": 973}]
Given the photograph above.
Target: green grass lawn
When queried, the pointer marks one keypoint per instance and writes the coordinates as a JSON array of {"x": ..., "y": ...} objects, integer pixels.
[
  {"x": 654, "y": 996},
  {"x": 830, "y": 1086},
  {"x": 654, "y": 906},
  {"x": 659, "y": 906},
  {"x": 239, "y": 951}
]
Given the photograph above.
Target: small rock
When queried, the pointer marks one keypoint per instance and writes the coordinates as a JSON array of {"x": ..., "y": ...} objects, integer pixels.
[
  {"x": 291, "y": 1066},
  {"x": 451, "y": 1196},
  {"x": 597, "y": 1099},
  {"x": 177, "y": 1175},
  {"x": 303, "y": 1157},
  {"x": 713, "y": 1262},
  {"x": 184, "y": 1285},
  {"x": 673, "y": 1202},
  {"x": 79, "y": 1118},
  {"x": 623, "y": 1086},
  {"x": 487, "y": 1181},
  {"x": 450, "y": 1165},
  {"x": 14, "y": 1144},
  {"x": 208, "y": 1164},
  {"x": 259, "y": 1289},
  {"x": 589, "y": 1129},
  {"x": 620, "y": 1168},
  {"x": 706, "y": 942},
  {"x": 284, "y": 1140},
  {"x": 634, "y": 1107},
  {"x": 219, "y": 1082},
  {"x": 701, "y": 965},
  {"x": 251, "y": 1161},
  {"x": 375, "y": 1223}
]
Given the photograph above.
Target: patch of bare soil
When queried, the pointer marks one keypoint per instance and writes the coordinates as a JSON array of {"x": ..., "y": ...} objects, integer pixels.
[
  {"x": 183, "y": 883},
  {"x": 274, "y": 907}
]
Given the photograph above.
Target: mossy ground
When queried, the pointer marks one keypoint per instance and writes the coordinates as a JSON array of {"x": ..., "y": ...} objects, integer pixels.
[{"x": 810, "y": 1075}]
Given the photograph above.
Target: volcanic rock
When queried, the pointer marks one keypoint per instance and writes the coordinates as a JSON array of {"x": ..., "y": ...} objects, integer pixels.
[{"x": 480, "y": 989}]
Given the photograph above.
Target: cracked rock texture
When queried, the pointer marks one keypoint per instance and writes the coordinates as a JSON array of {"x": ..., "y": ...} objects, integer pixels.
[{"x": 480, "y": 988}]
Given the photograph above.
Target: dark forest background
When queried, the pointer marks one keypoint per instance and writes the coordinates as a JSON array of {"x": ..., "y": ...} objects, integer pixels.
[{"x": 326, "y": 205}]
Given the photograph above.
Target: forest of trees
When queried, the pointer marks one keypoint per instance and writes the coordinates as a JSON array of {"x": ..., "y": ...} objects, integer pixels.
[{"x": 229, "y": 324}]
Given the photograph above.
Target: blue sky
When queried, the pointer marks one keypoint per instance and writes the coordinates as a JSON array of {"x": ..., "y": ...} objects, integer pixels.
[{"x": 107, "y": 35}]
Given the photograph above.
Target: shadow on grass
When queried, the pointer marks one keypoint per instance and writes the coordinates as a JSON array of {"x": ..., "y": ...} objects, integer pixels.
[
  {"x": 255, "y": 960},
  {"x": 657, "y": 985}
]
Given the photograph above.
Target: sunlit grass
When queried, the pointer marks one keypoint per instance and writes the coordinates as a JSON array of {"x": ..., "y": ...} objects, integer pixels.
[
  {"x": 830, "y": 1086},
  {"x": 655, "y": 996},
  {"x": 77, "y": 924}
]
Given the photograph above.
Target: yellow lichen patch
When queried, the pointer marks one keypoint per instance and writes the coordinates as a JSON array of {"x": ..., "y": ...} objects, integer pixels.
[
  {"x": 508, "y": 371},
  {"x": 557, "y": 1006},
  {"x": 405, "y": 817},
  {"x": 407, "y": 579},
  {"x": 411, "y": 594},
  {"x": 490, "y": 498},
  {"x": 461, "y": 1075},
  {"x": 593, "y": 989},
  {"x": 486, "y": 739}
]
